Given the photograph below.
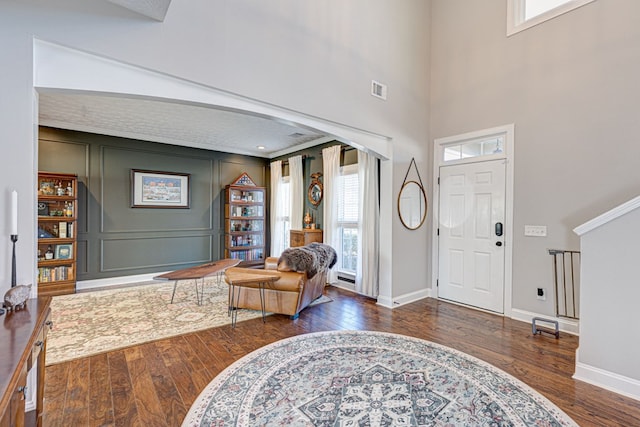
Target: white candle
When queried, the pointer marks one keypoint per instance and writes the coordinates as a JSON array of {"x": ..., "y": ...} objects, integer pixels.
[{"x": 14, "y": 212}]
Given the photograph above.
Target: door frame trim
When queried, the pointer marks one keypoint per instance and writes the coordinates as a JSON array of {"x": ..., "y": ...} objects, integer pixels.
[{"x": 508, "y": 155}]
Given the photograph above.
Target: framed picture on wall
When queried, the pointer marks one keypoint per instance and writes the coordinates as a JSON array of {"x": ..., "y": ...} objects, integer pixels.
[{"x": 154, "y": 189}]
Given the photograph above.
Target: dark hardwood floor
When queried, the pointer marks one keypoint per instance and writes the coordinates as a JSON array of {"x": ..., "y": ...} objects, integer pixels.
[{"x": 154, "y": 384}]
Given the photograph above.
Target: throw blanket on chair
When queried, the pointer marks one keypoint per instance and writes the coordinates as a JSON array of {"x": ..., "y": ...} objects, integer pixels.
[{"x": 311, "y": 258}]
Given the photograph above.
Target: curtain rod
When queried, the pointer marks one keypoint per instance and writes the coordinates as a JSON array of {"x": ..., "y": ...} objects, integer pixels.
[
  {"x": 286, "y": 162},
  {"x": 304, "y": 156}
]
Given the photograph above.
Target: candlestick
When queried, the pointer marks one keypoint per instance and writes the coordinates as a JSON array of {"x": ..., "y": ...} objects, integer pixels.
[
  {"x": 14, "y": 212},
  {"x": 14, "y": 239},
  {"x": 14, "y": 234}
]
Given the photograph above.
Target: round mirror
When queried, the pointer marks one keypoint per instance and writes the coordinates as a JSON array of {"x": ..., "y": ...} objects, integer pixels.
[
  {"x": 412, "y": 205},
  {"x": 315, "y": 193}
]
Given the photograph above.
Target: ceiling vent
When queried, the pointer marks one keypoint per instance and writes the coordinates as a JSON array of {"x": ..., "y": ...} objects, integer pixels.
[
  {"x": 297, "y": 135},
  {"x": 156, "y": 9},
  {"x": 378, "y": 90}
]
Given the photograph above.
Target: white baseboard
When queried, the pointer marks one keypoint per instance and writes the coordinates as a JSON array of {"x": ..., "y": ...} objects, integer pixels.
[
  {"x": 608, "y": 380},
  {"x": 404, "y": 299},
  {"x": 385, "y": 302},
  {"x": 86, "y": 285},
  {"x": 569, "y": 326},
  {"x": 345, "y": 285}
]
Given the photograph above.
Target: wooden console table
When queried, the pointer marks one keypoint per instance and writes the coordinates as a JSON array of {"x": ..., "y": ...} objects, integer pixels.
[{"x": 24, "y": 341}]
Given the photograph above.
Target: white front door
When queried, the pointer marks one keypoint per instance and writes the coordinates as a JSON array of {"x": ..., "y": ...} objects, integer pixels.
[{"x": 471, "y": 234}]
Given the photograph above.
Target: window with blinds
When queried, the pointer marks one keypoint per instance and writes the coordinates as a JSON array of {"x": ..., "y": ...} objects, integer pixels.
[{"x": 348, "y": 196}]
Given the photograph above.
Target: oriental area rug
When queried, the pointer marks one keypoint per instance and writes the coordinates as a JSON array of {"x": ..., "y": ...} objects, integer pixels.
[
  {"x": 363, "y": 378},
  {"x": 95, "y": 322}
]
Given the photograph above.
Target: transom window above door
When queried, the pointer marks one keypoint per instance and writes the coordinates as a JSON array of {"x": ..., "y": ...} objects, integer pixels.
[
  {"x": 523, "y": 14},
  {"x": 480, "y": 147}
]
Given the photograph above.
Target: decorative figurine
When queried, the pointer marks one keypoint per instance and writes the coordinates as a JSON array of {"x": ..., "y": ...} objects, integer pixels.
[
  {"x": 16, "y": 297},
  {"x": 308, "y": 219}
]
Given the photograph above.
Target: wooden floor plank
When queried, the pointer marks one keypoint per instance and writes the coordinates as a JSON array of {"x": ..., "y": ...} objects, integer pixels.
[
  {"x": 76, "y": 407},
  {"x": 216, "y": 340},
  {"x": 156, "y": 383},
  {"x": 186, "y": 379},
  {"x": 124, "y": 401},
  {"x": 165, "y": 388},
  {"x": 196, "y": 355},
  {"x": 101, "y": 403},
  {"x": 150, "y": 410},
  {"x": 199, "y": 355},
  {"x": 55, "y": 392}
]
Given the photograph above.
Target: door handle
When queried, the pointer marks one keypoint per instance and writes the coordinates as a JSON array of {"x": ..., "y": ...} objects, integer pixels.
[{"x": 498, "y": 229}]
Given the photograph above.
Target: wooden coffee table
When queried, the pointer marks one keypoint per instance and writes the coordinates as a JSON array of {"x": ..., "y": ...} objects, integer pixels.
[
  {"x": 198, "y": 272},
  {"x": 247, "y": 278}
]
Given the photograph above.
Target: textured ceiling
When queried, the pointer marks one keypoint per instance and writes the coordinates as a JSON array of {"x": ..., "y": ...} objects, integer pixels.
[{"x": 173, "y": 123}]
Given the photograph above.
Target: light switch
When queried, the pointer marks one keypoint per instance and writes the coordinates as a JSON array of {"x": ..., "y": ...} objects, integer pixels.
[{"x": 535, "y": 230}]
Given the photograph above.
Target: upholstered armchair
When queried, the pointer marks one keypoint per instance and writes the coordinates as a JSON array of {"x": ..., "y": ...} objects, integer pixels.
[{"x": 302, "y": 280}]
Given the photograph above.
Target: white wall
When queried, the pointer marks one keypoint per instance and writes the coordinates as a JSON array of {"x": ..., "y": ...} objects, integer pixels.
[
  {"x": 570, "y": 87},
  {"x": 314, "y": 58},
  {"x": 609, "y": 346}
]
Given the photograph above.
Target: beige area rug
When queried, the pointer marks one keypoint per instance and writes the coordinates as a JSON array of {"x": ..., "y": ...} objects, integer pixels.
[{"x": 90, "y": 323}]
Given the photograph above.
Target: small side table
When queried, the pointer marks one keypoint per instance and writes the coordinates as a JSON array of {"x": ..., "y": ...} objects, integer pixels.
[
  {"x": 247, "y": 278},
  {"x": 304, "y": 237}
]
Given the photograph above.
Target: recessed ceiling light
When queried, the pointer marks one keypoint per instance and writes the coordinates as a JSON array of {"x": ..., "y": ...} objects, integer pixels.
[{"x": 260, "y": 147}]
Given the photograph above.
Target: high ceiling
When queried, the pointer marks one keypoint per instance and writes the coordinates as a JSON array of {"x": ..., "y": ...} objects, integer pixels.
[
  {"x": 171, "y": 122},
  {"x": 174, "y": 123}
]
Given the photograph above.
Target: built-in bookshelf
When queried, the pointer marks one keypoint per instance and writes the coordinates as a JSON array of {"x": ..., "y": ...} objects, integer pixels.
[
  {"x": 57, "y": 213},
  {"x": 244, "y": 221}
]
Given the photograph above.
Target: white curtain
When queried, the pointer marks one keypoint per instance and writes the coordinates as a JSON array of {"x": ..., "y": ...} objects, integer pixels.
[
  {"x": 369, "y": 212},
  {"x": 296, "y": 183},
  {"x": 277, "y": 210},
  {"x": 330, "y": 175}
]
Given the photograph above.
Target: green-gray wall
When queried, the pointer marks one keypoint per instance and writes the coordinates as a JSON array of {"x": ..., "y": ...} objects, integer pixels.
[{"x": 115, "y": 239}]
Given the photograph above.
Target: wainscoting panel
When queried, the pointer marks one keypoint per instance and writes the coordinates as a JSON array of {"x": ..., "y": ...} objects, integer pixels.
[
  {"x": 82, "y": 256},
  {"x": 139, "y": 253}
]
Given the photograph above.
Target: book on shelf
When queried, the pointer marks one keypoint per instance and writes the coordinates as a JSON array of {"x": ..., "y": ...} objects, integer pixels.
[
  {"x": 55, "y": 274},
  {"x": 247, "y": 255},
  {"x": 62, "y": 230}
]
